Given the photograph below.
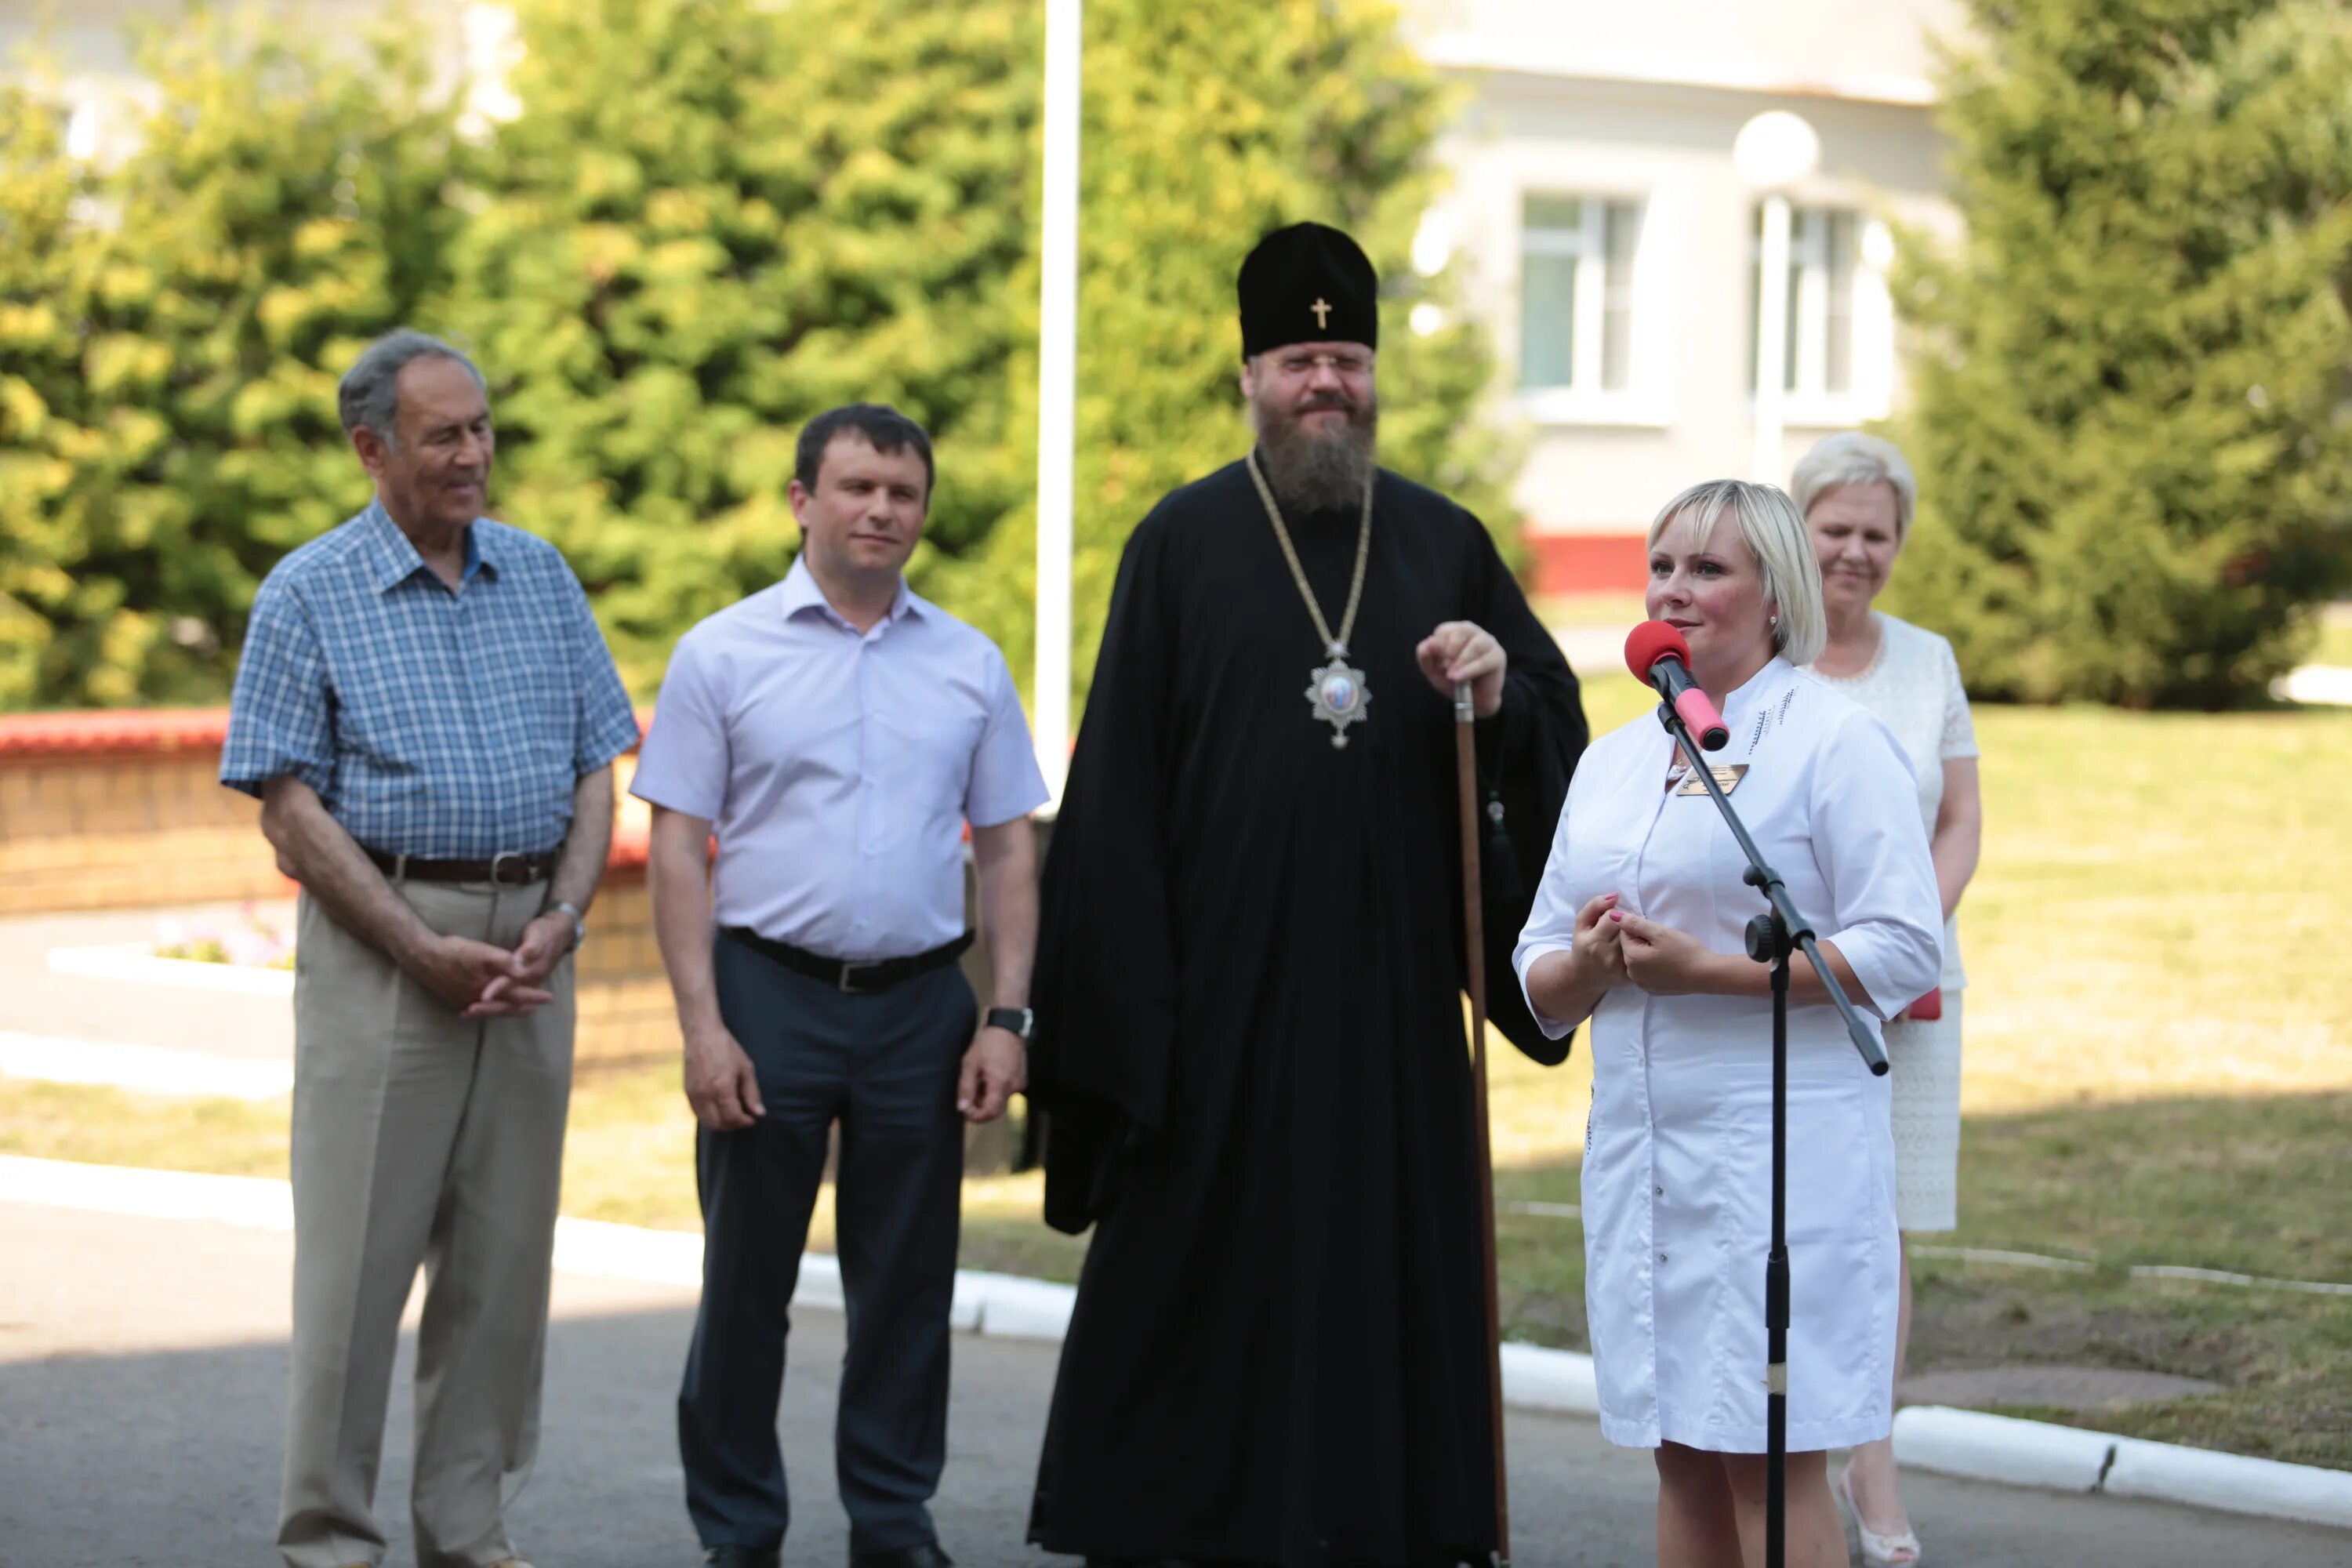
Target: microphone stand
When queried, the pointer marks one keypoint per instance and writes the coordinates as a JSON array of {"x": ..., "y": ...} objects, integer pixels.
[{"x": 1772, "y": 937}]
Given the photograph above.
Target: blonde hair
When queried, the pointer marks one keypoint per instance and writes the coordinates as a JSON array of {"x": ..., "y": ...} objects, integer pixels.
[
  {"x": 1774, "y": 530},
  {"x": 1851, "y": 458}
]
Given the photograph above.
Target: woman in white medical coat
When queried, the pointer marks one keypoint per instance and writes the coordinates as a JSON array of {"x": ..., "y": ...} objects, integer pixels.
[{"x": 1639, "y": 926}]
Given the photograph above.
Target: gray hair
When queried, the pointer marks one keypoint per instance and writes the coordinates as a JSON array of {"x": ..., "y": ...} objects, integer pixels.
[
  {"x": 1775, "y": 532},
  {"x": 369, "y": 397},
  {"x": 1851, "y": 458}
]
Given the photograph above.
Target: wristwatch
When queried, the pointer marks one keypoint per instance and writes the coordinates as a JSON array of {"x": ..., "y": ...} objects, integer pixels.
[
  {"x": 1017, "y": 1021},
  {"x": 570, "y": 911}
]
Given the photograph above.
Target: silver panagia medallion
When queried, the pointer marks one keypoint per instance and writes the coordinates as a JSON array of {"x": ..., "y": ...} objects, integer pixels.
[{"x": 1338, "y": 692}]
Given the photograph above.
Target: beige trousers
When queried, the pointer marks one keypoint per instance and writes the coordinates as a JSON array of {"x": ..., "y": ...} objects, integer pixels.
[{"x": 419, "y": 1139}]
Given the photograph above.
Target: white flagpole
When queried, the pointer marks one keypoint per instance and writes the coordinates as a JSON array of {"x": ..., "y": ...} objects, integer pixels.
[
  {"x": 1773, "y": 342},
  {"x": 1773, "y": 152},
  {"x": 1057, "y": 351}
]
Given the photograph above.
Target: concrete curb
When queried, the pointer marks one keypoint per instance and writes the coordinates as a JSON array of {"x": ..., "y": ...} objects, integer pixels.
[
  {"x": 1967, "y": 1443},
  {"x": 2231, "y": 1482},
  {"x": 148, "y": 1069},
  {"x": 136, "y": 961},
  {"x": 1536, "y": 1377},
  {"x": 2001, "y": 1448},
  {"x": 2065, "y": 1458}
]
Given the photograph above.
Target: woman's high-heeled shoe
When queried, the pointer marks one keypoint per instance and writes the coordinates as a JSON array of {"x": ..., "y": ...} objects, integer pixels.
[{"x": 1898, "y": 1551}]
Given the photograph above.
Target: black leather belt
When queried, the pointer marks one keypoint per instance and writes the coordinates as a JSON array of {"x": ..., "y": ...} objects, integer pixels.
[
  {"x": 507, "y": 867},
  {"x": 854, "y": 976}
]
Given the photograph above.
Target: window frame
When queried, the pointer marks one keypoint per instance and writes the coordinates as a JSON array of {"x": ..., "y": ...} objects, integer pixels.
[
  {"x": 1807, "y": 399},
  {"x": 1646, "y": 348}
]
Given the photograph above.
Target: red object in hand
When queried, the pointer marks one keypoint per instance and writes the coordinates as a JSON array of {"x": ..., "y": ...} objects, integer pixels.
[{"x": 1927, "y": 1009}]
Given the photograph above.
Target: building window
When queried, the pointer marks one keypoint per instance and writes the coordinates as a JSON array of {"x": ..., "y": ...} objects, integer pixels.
[
  {"x": 1577, "y": 293},
  {"x": 1838, "y": 320}
]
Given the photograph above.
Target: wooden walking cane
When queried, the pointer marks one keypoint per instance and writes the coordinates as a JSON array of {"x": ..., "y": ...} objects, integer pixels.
[{"x": 1474, "y": 932}]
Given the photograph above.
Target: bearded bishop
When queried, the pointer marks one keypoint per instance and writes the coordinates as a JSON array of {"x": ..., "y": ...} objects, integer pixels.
[{"x": 1250, "y": 1071}]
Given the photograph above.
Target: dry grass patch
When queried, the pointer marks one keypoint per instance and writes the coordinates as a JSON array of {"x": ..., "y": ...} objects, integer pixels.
[{"x": 108, "y": 1126}]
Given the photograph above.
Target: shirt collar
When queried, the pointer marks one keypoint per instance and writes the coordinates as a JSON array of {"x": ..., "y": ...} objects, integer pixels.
[
  {"x": 1754, "y": 706},
  {"x": 395, "y": 558},
  {"x": 799, "y": 592},
  {"x": 1758, "y": 688},
  {"x": 1740, "y": 709}
]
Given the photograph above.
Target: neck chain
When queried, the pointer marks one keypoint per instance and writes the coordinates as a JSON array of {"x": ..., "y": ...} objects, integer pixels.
[{"x": 1335, "y": 691}]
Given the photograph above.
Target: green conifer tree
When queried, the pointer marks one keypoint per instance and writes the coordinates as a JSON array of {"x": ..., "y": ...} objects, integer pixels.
[
  {"x": 1205, "y": 126},
  {"x": 171, "y": 334},
  {"x": 714, "y": 219},
  {"x": 2132, "y": 422},
  {"x": 40, "y": 363},
  {"x": 711, "y": 219}
]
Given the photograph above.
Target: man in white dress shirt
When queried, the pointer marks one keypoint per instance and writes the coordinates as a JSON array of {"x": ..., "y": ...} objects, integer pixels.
[{"x": 837, "y": 732}]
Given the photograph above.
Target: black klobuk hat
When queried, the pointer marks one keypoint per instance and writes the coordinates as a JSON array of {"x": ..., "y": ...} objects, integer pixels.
[{"x": 1307, "y": 283}]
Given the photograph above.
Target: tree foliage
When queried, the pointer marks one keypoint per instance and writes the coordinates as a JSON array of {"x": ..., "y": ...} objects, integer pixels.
[
  {"x": 38, "y": 355},
  {"x": 714, "y": 219},
  {"x": 170, "y": 332},
  {"x": 1205, "y": 126},
  {"x": 2133, "y": 421},
  {"x": 709, "y": 220}
]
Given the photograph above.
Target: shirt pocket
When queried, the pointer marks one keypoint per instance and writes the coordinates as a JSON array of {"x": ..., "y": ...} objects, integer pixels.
[
  {"x": 530, "y": 697},
  {"x": 383, "y": 710},
  {"x": 923, "y": 761}
]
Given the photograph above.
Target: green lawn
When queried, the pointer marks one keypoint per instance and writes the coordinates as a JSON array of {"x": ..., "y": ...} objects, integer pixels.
[
  {"x": 2249, "y": 1185},
  {"x": 2159, "y": 1069}
]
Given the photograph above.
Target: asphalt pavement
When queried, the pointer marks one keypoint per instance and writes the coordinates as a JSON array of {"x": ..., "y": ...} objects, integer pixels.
[{"x": 142, "y": 1375}]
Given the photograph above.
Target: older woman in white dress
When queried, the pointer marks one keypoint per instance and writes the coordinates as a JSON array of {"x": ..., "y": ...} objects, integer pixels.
[
  {"x": 1638, "y": 925},
  {"x": 1858, "y": 495}
]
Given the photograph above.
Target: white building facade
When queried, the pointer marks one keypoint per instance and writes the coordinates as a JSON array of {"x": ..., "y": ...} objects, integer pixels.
[{"x": 1611, "y": 244}]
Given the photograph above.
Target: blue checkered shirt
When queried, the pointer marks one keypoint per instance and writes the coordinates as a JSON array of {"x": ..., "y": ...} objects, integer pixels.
[{"x": 445, "y": 725}]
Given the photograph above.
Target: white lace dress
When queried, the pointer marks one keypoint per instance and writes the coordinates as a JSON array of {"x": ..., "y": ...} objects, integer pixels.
[{"x": 1914, "y": 685}]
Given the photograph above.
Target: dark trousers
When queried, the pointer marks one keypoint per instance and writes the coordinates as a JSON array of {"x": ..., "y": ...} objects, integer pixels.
[{"x": 885, "y": 1066}]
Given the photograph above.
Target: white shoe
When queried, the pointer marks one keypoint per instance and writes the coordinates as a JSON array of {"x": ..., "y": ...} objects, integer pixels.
[{"x": 1900, "y": 1550}]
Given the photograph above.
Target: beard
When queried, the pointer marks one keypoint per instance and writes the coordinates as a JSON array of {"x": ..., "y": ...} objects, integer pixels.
[{"x": 1312, "y": 472}]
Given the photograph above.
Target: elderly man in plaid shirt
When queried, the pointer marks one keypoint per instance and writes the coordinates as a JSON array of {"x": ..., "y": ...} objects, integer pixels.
[{"x": 429, "y": 716}]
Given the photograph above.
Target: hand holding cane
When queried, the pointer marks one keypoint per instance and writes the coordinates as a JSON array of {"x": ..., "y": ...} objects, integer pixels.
[{"x": 1475, "y": 940}]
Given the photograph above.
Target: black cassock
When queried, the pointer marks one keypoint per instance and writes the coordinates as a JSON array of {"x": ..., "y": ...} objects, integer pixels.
[{"x": 1251, "y": 1061}]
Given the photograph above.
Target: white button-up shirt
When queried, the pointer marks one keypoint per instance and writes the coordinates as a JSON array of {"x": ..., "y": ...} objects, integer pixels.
[
  {"x": 1677, "y": 1155},
  {"x": 838, "y": 767}
]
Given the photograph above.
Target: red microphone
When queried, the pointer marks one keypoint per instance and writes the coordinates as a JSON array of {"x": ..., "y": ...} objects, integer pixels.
[{"x": 1657, "y": 654}]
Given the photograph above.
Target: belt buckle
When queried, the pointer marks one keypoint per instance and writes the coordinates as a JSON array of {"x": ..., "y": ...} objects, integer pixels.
[
  {"x": 848, "y": 967},
  {"x": 500, "y": 859}
]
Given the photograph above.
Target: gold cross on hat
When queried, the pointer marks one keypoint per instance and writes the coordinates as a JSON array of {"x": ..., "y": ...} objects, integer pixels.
[{"x": 1322, "y": 308}]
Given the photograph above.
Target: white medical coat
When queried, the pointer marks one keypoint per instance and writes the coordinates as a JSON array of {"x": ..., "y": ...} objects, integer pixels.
[{"x": 1677, "y": 1155}]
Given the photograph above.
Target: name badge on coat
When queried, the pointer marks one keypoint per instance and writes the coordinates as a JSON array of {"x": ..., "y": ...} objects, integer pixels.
[{"x": 1726, "y": 775}]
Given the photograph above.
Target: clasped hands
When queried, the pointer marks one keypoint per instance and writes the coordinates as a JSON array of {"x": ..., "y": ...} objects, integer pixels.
[
  {"x": 1613, "y": 946},
  {"x": 1462, "y": 650},
  {"x": 483, "y": 980}
]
